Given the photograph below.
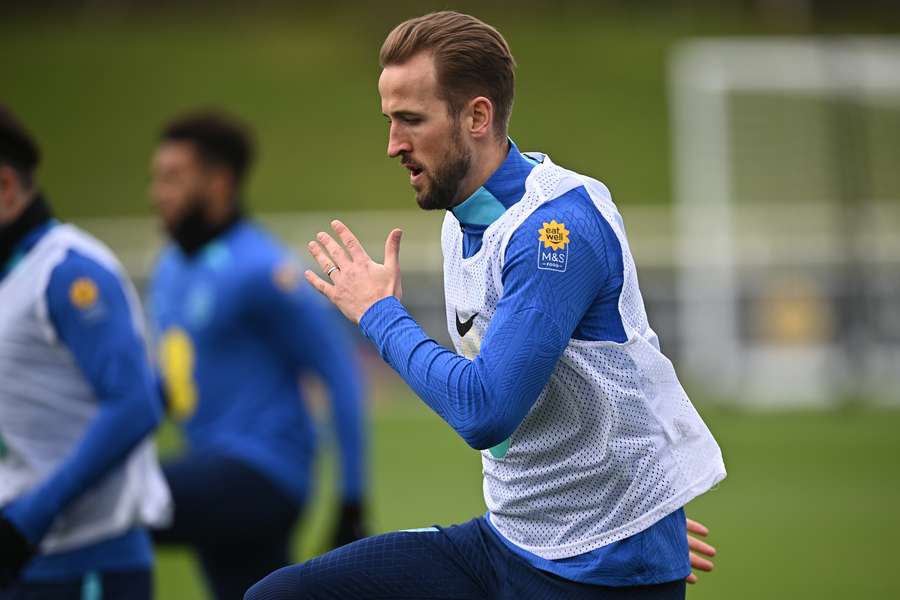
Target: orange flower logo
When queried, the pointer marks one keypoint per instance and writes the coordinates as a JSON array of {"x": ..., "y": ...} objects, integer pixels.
[
  {"x": 554, "y": 235},
  {"x": 83, "y": 293}
]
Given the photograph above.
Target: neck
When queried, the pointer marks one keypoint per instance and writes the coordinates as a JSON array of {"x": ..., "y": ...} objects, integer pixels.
[
  {"x": 36, "y": 213},
  {"x": 485, "y": 163},
  {"x": 197, "y": 228}
]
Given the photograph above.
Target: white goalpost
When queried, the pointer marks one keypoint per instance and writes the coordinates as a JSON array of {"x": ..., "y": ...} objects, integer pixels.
[{"x": 787, "y": 169}]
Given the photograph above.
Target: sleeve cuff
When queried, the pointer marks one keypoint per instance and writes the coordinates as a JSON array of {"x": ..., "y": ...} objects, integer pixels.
[{"x": 379, "y": 316}]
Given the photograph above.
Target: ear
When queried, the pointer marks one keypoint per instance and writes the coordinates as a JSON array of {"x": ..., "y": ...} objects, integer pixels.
[
  {"x": 221, "y": 183},
  {"x": 9, "y": 187},
  {"x": 481, "y": 110}
]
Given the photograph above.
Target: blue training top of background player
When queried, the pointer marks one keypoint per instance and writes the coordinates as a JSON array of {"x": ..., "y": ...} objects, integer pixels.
[{"x": 235, "y": 326}]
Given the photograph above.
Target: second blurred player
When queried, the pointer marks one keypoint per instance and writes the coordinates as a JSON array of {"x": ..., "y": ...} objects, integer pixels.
[{"x": 236, "y": 325}]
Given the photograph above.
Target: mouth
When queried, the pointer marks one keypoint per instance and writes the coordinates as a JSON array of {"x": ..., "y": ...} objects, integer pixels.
[{"x": 415, "y": 172}]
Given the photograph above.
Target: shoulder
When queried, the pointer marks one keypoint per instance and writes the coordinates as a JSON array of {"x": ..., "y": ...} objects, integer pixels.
[
  {"x": 572, "y": 219},
  {"x": 80, "y": 284},
  {"x": 256, "y": 240},
  {"x": 165, "y": 261},
  {"x": 257, "y": 250},
  {"x": 267, "y": 266}
]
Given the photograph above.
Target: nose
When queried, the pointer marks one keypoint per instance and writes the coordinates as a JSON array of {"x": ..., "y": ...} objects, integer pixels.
[{"x": 397, "y": 141}]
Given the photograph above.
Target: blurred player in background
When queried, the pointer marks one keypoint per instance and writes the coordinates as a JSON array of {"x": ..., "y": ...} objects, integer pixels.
[
  {"x": 236, "y": 327},
  {"x": 590, "y": 447},
  {"x": 79, "y": 480}
]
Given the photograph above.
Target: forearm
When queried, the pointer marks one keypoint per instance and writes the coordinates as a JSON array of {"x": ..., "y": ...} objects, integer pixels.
[
  {"x": 483, "y": 400},
  {"x": 118, "y": 427},
  {"x": 348, "y": 416}
]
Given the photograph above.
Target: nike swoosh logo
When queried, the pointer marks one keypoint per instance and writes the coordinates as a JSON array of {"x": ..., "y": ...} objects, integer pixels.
[{"x": 463, "y": 327}]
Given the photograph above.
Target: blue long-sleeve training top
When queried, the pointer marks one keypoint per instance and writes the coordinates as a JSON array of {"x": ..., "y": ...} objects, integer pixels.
[
  {"x": 485, "y": 399},
  {"x": 236, "y": 326}
]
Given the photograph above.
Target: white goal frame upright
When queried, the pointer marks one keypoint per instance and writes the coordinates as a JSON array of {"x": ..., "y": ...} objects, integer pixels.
[{"x": 710, "y": 249}]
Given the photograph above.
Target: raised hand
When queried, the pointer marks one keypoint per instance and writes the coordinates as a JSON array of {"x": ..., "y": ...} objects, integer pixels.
[{"x": 358, "y": 281}]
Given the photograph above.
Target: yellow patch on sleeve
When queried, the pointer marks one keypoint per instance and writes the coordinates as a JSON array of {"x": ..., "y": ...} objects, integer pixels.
[
  {"x": 83, "y": 293},
  {"x": 286, "y": 276},
  {"x": 554, "y": 235}
]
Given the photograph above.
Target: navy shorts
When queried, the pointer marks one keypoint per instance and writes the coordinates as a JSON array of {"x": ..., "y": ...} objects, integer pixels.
[
  {"x": 234, "y": 518},
  {"x": 461, "y": 562},
  {"x": 113, "y": 585}
]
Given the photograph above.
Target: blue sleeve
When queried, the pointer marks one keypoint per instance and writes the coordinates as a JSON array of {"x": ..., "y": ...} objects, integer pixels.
[
  {"x": 543, "y": 304},
  {"x": 310, "y": 335},
  {"x": 92, "y": 318}
]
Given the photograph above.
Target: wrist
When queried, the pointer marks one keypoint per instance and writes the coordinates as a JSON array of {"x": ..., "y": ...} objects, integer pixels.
[
  {"x": 372, "y": 319},
  {"x": 22, "y": 515}
]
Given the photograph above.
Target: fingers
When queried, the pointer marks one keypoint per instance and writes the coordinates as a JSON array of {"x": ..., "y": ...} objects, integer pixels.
[
  {"x": 392, "y": 249},
  {"x": 337, "y": 254},
  {"x": 700, "y": 563},
  {"x": 691, "y": 578},
  {"x": 325, "y": 261},
  {"x": 357, "y": 252},
  {"x": 318, "y": 283},
  {"x": 700, "y": 546},
  {"x": 697, "y": 527}
]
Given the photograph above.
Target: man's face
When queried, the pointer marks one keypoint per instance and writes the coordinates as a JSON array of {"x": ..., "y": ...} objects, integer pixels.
[
  {"x": 179, "y": 182},
  {"x": 423, "y": 133}
]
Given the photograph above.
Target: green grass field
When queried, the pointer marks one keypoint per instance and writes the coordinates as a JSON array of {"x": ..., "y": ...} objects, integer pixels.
[
  {"x": 97, "y": 88},
  {"x": 809, "y": 508}
]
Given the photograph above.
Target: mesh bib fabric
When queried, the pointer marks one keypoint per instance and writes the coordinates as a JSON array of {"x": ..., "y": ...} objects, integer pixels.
[{"x": 613, "y": 443}]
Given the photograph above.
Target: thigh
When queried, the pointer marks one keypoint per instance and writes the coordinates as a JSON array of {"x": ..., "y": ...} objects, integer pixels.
[
  {"x": 220, "y": 500},
  {"x": 428, "y": 564},
  {"x": 549, "y": 587},
  {"x": 124, "y": 585},
  {"x": 524, "y": 582},
  {"x": 231, "y": 569},
  {"x": 115, "y": 585},
  {"x": 69, "y": 590}
]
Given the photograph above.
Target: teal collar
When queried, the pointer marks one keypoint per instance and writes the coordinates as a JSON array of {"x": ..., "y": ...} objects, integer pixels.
[
  {"x": 504, "y": 187},
  {"x": 481, "y": 208}
]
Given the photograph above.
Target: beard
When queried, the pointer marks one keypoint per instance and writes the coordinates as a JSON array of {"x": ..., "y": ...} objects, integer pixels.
[
  {"x": 442, "y": 192},
  {"x": 188, "y": 221},
  {"x": 192, "y": 230}
]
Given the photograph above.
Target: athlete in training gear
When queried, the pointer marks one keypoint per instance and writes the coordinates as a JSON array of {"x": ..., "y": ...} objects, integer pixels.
[
  {"x": 79, "y": 480},
  {"x": 590, "y": 446},
  {"x": 236, "y": 326}
]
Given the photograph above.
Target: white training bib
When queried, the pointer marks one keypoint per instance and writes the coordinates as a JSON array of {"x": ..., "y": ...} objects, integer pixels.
[
  {"x": 612, "y": 444},
  {"x": 46, "y": 405}
]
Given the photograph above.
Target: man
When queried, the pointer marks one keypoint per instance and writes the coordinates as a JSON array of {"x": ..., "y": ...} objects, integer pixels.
[
  {"x": 79, "y": 480},
  {"x": 590, "y": 447},
  {"x": 236, "y": 327}
]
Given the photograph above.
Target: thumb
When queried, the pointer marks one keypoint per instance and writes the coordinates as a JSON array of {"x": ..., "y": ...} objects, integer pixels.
[{"x": 392, "y": 249}]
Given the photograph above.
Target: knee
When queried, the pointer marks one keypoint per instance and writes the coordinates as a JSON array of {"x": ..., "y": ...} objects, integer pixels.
[{"x": 282, "y": 584}]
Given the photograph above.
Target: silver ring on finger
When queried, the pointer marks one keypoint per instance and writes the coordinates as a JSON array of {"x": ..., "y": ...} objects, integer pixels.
[{"x": 331, "y": 270}]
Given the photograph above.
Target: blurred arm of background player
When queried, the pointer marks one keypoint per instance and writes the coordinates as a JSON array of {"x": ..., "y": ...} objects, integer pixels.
[
  {"x": 111, "y": 355},
  {"x": 311, "y": 334}
]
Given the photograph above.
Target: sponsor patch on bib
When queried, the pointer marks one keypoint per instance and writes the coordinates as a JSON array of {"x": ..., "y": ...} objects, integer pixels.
[{"x": 553, "y": 246}]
